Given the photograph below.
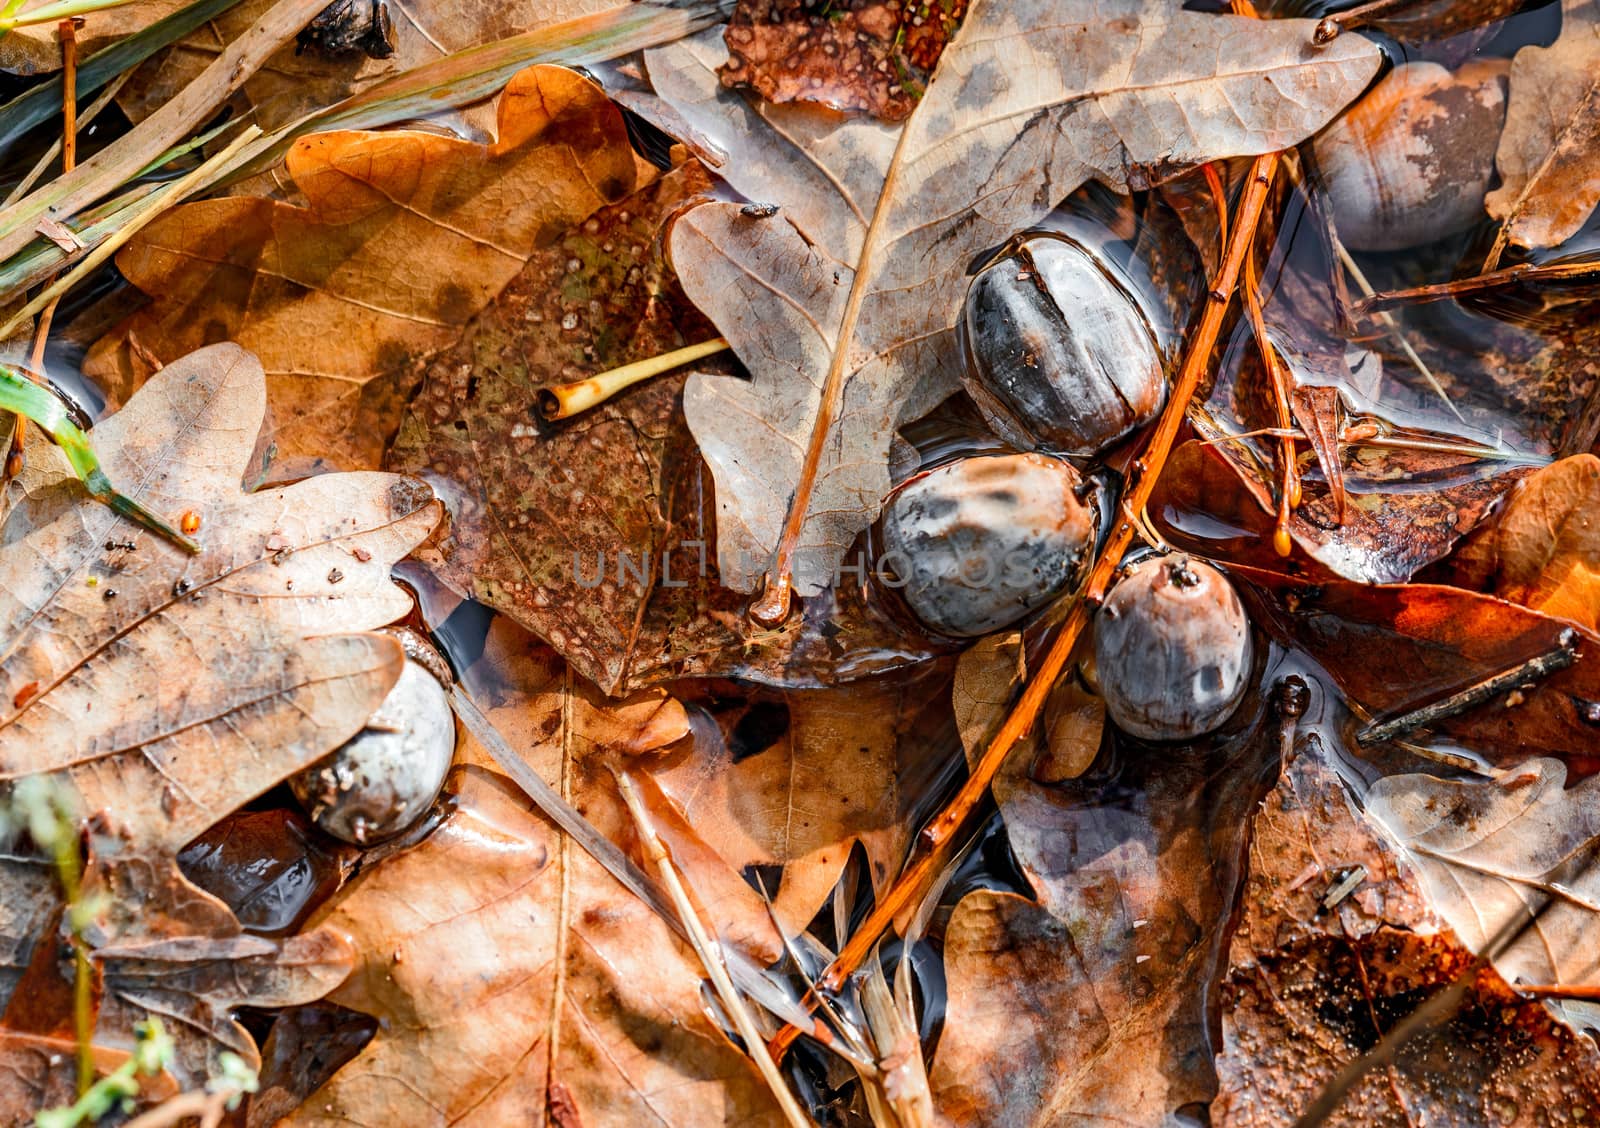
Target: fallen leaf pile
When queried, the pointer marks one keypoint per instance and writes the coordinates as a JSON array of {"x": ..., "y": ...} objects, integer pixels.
[{"x": 1365, "y": 897}]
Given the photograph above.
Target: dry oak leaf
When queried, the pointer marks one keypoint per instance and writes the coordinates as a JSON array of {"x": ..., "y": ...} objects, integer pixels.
[
  {"x": 1549, "y": 155},
  {"x": 404, "y": 237},
  {"x": 514, "y": 980},
  {"x": 1543, "y": 550},
  {"x": 842, "y": 304},
  {"x": 1311, "y": 987},
  {"x": 166, "y": 689},
  {"x": 1521, "y": 847},
  {"x": 596, "y": 533},
  {"x": 1088, "y": 996}
]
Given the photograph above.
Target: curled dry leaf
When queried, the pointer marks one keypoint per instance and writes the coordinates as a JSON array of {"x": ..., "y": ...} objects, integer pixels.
[
  {"x": 871, "y": 55},
  {"x": 1083, "y": 994},
  {"x": 1521, "y": 847},
  {"x": 842, "y": 304},
  {"x": 1549, "y": 156},
  {"x": 1310, "y": 987},
  {"x": 515, "y": 981},
  {"x": 311, "y": 289},
  {"x": 1543, "y": 550},
  {"x": 165, "y": 690},
  {"x": 597, "y": 533}
]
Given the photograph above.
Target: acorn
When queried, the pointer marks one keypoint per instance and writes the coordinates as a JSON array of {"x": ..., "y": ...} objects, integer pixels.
[
  {"x": 1172, "y": 649},
  {"x": 979, "y": 543},
  {"x": 1059, "y": 356},
  {"x": 1410, "y": 162},
  {"x": 383, "y": 779}
]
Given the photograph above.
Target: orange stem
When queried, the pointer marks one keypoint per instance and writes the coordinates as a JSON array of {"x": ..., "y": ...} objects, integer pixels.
[
  {"x": 1143, "y": 475},
  {"x": 1278, "y": 378}
]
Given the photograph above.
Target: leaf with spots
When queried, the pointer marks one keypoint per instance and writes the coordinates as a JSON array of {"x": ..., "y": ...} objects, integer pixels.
[
  {"x": 843, "y": 303},
  {"x": 1314, "y": 982},
  {"x": 515, "y": 981},
  {"x": 404, "y": 236},
  {"x": 163, "y": 690}
]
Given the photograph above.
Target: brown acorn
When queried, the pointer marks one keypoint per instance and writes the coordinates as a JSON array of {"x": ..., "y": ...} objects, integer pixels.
[
  {"x": 1059, "y": 356},
  {"x": 977, "y": 544},
  {"x": 1410, "y": 162},
  {"x": 1172, "y": 649}
]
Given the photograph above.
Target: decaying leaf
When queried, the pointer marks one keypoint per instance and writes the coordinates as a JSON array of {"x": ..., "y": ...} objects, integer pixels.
[
  {"x": 1549, "y": 156},
  {"x": 515, "y": 981},
  {"x": 1543, "y": 550},
  {"x": 1519, "y": 847},
  {"x": 404, "y": 237},
  {"x": 597, "y": 533},
  {"x": 842, "y": 304},
  {"x": 871, "y": 55},
  {"x": 165, "y": 690},
  {"x": 1313, "y": 983},
  {"x": 1082, "y": 996}
]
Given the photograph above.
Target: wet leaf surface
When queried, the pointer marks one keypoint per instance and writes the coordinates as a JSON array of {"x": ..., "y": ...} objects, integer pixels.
[
  {"x": 1312, "y": 987},
  {"x": 1135, "y": 867},
  {"x": 846, "y": 323},
  {"x": 309, "y": 288},
  {"x": 867, "y": 55},
  {"x": 1445, "y": 639},
  {"x": 512, "y": 977}
]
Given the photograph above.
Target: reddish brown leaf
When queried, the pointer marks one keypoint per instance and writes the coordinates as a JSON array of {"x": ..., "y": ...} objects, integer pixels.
[{"x": 871, "y": 55}]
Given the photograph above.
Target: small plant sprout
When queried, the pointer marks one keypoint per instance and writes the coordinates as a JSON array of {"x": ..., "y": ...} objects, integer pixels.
[
  {"x": 48, "y": 411},
  {"x": 152, "y": 1053}
]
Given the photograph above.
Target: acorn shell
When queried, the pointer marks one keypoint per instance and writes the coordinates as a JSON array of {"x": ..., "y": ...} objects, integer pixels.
[
  {"x": 383, "y": 779},
  {"x": 977, "y": 544},
  {"x": 1059, "y": 356},
  {"x": 1410, "y": 162},
  {"x": 1172, "y": 649}
]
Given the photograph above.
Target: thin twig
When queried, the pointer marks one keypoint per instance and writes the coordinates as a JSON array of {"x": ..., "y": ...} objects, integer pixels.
[
  {"x": 1564, "y": 654},
  {"x": 107, "y": 96},
  {"x": 68, "y": 34},
  {"x": 1389, "y": 323},
  {"x": 710, "y": 957},
  {"x": 1143, "y": 475},
  {"x": 197, "y": 1104},
  {"x": 1512, "y": 275}
]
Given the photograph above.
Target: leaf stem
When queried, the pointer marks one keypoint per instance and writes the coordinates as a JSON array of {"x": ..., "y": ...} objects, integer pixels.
[
  {"x": 936, "y": 837},
  {"x": 566, "y": 400}
]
